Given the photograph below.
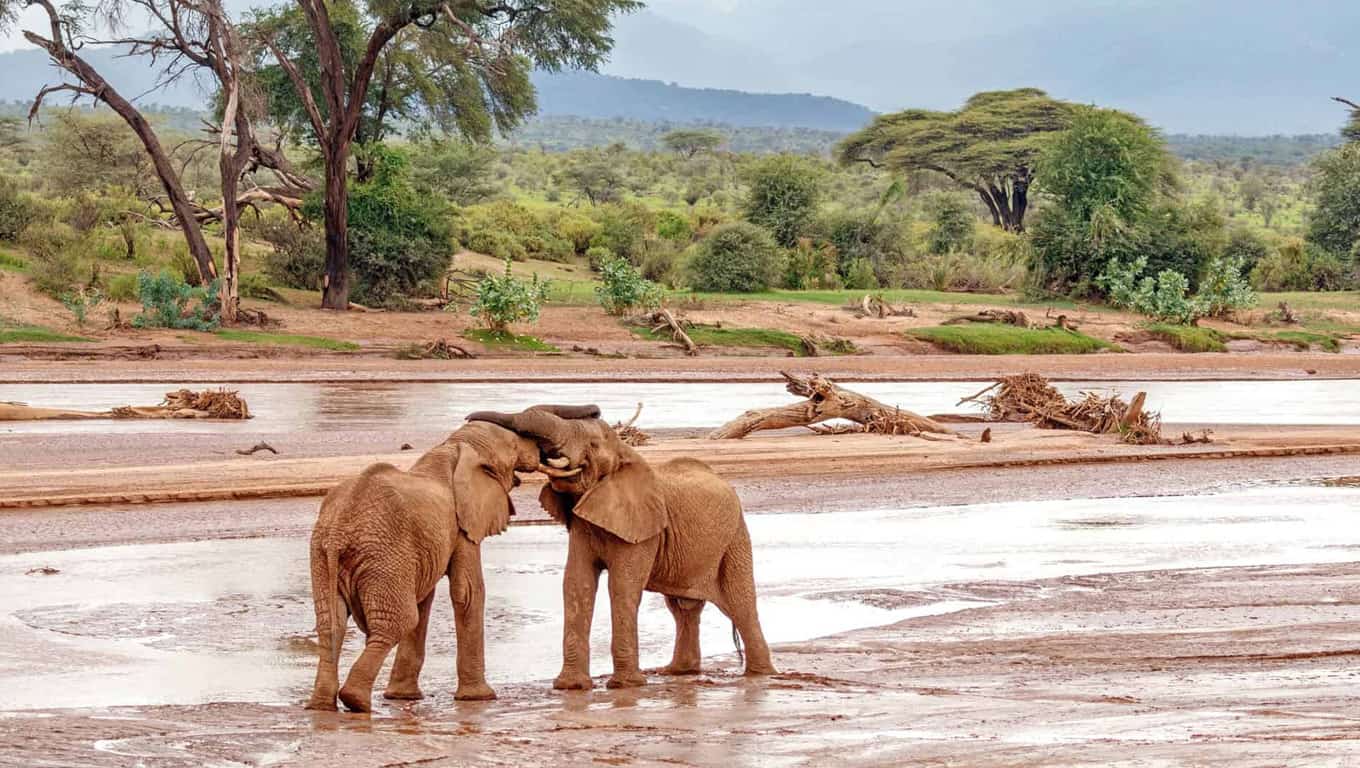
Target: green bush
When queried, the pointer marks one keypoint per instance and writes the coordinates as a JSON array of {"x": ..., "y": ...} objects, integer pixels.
[
  {"x": 672, "y": 226},
  {"x": 57, "y": 264},
  {"x": 1167, "y": 296},
  {"x": 622, "y": 289},
  {"x": 508, "y": 230},
  {"x": 661, "y": 263},
  {"x": 182, "y": 264},
  {"x": 596, "y": 256},
  {"x": 81, "y": 301},
  {"x": 624, "y": 227},
  {"x": 169, "y": 302},
  {"x": 809, "y": 265},
  {"x": 505, "y": 299},
  {"x": 860, "y": 276},
  {"x": 123, "y": 288},
  {"x": 884, "y": 241},
  {"x": 298, "y": 255},
  {"x": 17, "y": 210},
  {"x": 1299, "y": 266},
  {"x": 951, "y": 223},
  {"x": 738, "y": 257},
  {"x": 783, "y": 193}
]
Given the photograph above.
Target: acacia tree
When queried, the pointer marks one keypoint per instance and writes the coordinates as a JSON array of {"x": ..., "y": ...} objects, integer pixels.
[
  {"x": 484, "y": 50},
  {"x": 989, "y": 146},
  {"x": 689, "y": 142},
  {"x": 62, "y": 43}
]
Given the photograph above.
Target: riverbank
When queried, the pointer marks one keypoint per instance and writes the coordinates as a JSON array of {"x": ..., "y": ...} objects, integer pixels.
[{"x": 1153, "y": 366}]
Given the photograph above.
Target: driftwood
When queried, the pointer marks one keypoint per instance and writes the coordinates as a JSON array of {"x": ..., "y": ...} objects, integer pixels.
[
  {"x": 663, "y": 319},
  {"x": 874, "y": 305},
  {"x": 826, "y": 400},
  {"x": 1028, "y": 397},
  {"x": 439, "y": 349},
  {"x": 181, "y": 404},
  {"x": 629, "y": 434},
  {"x": 1004, "y": 316},
  {"x": 261, "y": 446},
  {"x": 1285, "y": 314}
]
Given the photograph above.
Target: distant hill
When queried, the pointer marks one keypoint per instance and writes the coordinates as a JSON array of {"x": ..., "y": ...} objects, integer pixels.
[
  {"x": 586, "y": 94},
  {"x": 578, "y": 94}
]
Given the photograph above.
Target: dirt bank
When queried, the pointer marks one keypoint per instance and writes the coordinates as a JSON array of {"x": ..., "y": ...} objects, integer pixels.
[
  {"x": 791, "y": 455},
  {"x": 1104, "y": 367},
  {"x": 1214, "y": 667}
]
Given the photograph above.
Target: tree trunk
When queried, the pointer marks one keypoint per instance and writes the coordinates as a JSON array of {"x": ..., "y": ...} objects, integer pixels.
[
  {"x": 1019, "y": 205},
  {"x": 230, "y": 295},
  {"x": 991, "y": 206},
  {"x": 335, "y": 281},
  {"x": 826, "y": 400}
]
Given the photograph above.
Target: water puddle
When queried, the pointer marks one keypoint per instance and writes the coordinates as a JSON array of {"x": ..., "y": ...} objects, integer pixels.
[
  {"x": 397, "y": 406},
  {"x": 232, "y": 620}
]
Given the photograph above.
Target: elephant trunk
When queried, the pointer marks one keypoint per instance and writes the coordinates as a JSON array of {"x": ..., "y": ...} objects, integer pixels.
[{"x": 537, "y": 422}]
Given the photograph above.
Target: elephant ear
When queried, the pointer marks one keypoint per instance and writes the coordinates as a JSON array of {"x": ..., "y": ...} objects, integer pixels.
[
  {"x": 557, "y": 505},
  {"x": 484, "y": 506},
  {"x": 627, "y": 503}
]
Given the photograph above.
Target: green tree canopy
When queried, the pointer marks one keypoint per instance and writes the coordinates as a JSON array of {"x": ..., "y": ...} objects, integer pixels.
[
  {"x": 1334, "y": 224},
  {"x": 1105, "y": 160},
  {"x": 689, "y": 142},
  {"x": 989, "y": 146},
  {"x": 783, "y": 196}
]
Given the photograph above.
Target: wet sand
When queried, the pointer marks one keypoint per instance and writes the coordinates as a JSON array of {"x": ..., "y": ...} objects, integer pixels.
[{"x": 1099, "y": 367}]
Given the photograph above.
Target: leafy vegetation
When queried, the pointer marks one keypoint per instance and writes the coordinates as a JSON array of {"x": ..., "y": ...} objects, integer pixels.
[
  {"x": 623, "y": 290},
  {"x": 11, "y": 333},
  {"x": 1001, "y": 339},
  {"x": 713, "y": 336},
  {"x": 507, "y": 340},
  {"x": 505, "y": 299},
  {"x": 1188, "y": 338},
  {"x": 169, "y": 302},
  {"x": 736, "y": 258}
]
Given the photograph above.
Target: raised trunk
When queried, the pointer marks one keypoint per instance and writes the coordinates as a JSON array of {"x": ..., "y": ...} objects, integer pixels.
[{"x": 335, "y": 281}]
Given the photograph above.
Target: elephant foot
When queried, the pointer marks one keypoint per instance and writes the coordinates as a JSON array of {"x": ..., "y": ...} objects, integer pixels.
[
  {"x": 626, "y": 680},
  {"x": 760, "y": 670},
  {"x": 573, "y": 681},
  {"x": 322, "y": 703},
  {"x": 475, "y": 692},
  {"x": 354, "y": 701},
  {"x": 680, "y": 669},
  {"x": 402, "y": 693}
]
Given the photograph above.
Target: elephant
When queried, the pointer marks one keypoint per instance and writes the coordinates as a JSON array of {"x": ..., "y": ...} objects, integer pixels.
[
  {"x": 676, "y": 529},
  {"x": 383, "y": 540}
]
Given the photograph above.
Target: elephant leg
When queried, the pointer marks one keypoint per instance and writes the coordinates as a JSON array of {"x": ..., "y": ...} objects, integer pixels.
[
  {"x": 468, "y": 592},
  {"x": 628, "y": 572},
  {"x": 404, "y": 682},
  {"x": 737, "y": 583},
  {"x": 579, "y": 584},
  {"x": 330, "y": 630},
  {"x": 386, "y": 626},
  {"x": 686, "y": 658}
]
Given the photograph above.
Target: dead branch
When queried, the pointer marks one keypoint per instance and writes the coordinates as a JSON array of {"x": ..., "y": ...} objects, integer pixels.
[
  {"x": 1004, "y": 316},
  {"x": 1028, "y": 397},
  {"x": 261, "y": 446},
  {"x": 826, "y": 400},
  {"x": 663, "y": 319},
  {"x": 874, "y": 305},
  {"x": 630, "y": 434}
]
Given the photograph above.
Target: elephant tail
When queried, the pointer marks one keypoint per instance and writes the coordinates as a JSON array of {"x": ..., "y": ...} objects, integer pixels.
[
  {"x": 736, "y": 640},
  {"x": 326, "y": 596}
]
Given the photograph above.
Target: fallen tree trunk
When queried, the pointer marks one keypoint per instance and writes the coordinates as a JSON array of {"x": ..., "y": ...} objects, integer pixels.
[
  {"x": 826, "y": 400},
  {"x": 181, "y": 404}
]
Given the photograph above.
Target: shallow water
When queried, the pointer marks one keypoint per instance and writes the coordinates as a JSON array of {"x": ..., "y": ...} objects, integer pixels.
[
  {"x": 231, "y": 620},
  {"x": 378, "y": 406}
]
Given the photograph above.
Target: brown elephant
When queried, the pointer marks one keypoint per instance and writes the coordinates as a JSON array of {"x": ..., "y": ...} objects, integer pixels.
[
  {"x": 382, "y": 542},
  {"x": 676, "y": 529}
]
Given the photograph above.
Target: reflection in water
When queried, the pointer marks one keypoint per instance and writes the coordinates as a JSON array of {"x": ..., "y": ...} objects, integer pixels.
[
  {"x": 442, "y": 406},
  {"x": 232, "y": 620}
]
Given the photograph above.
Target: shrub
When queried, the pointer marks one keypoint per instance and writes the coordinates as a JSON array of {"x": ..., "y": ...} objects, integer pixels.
[
  {"x": 623, "y": 228},
  {"x": 123, "y": 288},
  {"x": 81, "y": 301},
  {"x": 737, "y": 257},
  {"x": 256, "y": 286},
  {"x": 661, "y": 263},
  {"x": 860, "y": 276},
  {"x": 505, "y": 299},
  {"x": 576, "y": 230},
  {"x": 784, "y": 191},
  {"x": 1166, "y": 297},
  {"x": 17, "y": 211},
  {"x": 1299, "y": 266},
  {"x": 56, "y": 266},
  {"x": 673, "y": 226},
  {"x": 810, "y": 265},
  {"x": 596, "y": 256},
  {"x": 622, "y": 289},
  {"x": 883, "y": 241},
  {"x": 298, "y": 255},
  {"x": 952, "y": 224},
  {"x": 169, "y": 302}
]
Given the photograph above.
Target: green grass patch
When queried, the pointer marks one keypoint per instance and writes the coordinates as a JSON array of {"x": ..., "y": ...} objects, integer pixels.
[
  {"x": 12, "y": 262},
  {"x": 1300, "y": 340},
  {"x": 288, "y": 339},
  {"x": 713, "y": 336},
  {"x": 1343, "y": 300},
  {"x": 1189, "y": 338},
  {"x": 508, "y": 340},
  {"x": 14, "y": 334},
  {"x": 1001, "y": 339},
  {"x": 892, "y": 296}
]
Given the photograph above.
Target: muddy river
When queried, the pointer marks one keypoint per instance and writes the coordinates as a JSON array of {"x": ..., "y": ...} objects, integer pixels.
[
  {"x": 397, "y": 406},
  {"x": 231, "y": 620}
]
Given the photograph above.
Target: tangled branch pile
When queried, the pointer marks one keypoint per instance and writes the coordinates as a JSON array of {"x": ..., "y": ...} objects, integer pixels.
[
  {"x": 1030, "y": 398},
  {"x": 187, "y": 404},
  {"x": 874, "y": 305},
  {"x": 1004, "y": 316},
  {"x": 629, "y": 434},
  {"x": 827, "y": 400},
  {"x": 440, "y": 349}
]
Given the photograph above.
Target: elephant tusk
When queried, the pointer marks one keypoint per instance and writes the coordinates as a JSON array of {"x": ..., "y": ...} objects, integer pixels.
[
  {"x": 560, "y": 462},
  {"x": 555, "y": 472}
]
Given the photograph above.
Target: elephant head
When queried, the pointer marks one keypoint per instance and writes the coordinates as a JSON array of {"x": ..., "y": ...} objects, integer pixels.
[
  {"x": 479, "y": 461},
  {"x": 592, "y": 474}
]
